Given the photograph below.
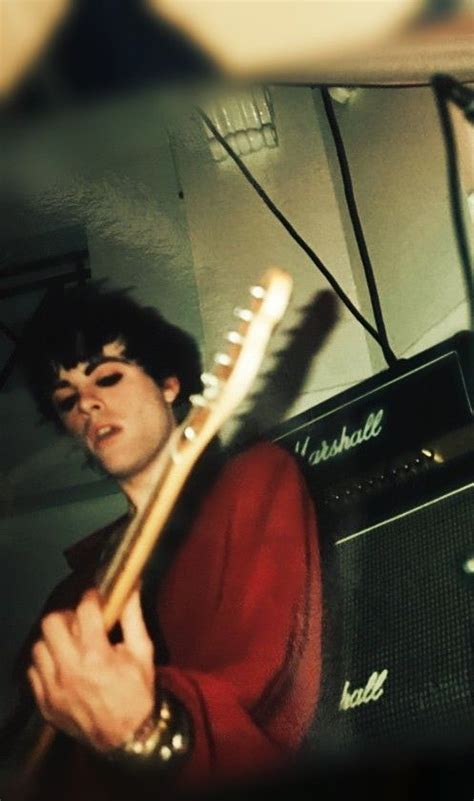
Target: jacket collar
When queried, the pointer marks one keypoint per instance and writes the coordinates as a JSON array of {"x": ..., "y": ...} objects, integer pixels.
[{"x": 86, "y": 552}]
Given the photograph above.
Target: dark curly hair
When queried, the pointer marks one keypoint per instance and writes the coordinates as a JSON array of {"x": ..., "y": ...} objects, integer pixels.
[{"x": 72, "y": 325}]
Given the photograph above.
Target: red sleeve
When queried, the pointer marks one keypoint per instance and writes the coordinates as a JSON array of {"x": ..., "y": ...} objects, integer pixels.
[{"x": 241, "y": 615}]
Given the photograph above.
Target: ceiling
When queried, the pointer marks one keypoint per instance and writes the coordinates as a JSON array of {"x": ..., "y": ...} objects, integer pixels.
[{"x": 127, "y": 46}]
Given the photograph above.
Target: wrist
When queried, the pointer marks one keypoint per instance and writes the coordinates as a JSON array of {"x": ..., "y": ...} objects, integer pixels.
[
  {"x": 162, "y": 738},
  {"x": 151, "y": 733}
]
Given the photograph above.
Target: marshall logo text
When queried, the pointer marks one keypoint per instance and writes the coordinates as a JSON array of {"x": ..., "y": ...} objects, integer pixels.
[
  {"x": 372, "y": 691},
  {"x": 345, "y": 441}
]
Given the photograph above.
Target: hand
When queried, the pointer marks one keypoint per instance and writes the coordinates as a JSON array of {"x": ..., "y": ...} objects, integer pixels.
[{"x": 85, "y": 686}]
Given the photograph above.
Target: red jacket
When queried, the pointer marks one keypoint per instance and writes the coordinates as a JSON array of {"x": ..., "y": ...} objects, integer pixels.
[{"x": 240, "y": 611}]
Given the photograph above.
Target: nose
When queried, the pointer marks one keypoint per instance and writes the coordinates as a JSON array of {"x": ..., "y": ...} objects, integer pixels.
[{"x": 89, "y": 401}]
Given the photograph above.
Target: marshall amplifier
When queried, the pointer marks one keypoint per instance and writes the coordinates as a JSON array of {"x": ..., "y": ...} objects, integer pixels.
[{"x": 390, "y": 465}]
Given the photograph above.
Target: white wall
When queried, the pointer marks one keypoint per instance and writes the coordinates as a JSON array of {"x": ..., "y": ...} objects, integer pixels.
[
  {"x": 107, "y": 167},
  {"x": 234, "y": 237},
  {"x": 397, "y": 159}
]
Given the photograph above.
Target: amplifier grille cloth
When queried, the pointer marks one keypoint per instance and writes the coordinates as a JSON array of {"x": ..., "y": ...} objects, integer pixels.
[{"x": 405, "y": 605}]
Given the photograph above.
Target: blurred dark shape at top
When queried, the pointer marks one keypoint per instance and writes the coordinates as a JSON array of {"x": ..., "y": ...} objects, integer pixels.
[{"x": 104, "y": 47}]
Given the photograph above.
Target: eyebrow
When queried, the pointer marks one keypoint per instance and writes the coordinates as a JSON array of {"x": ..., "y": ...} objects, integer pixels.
[{"x": 92, "y": 365}]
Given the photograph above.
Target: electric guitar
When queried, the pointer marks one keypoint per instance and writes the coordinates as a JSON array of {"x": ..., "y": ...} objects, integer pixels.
[{"x": 226, "y": 385}]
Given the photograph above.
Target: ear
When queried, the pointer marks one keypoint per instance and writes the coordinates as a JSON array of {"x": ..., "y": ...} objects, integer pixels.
[{"x": 170, "y": 388}]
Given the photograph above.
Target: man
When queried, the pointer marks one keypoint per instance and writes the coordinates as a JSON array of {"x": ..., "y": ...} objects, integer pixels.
[{"x": 221, "y": 683}]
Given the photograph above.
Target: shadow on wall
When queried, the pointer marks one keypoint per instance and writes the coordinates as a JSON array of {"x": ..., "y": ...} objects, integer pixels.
[{"x": 283, "y": 384}]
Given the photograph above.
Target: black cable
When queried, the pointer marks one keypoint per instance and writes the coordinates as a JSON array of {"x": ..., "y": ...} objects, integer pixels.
[
  {"x": 357, "y": 227},
  {"x": 289, "y": 228},
  {"x": 441, "y": 84},
  {"x": 459, "y": 94}
]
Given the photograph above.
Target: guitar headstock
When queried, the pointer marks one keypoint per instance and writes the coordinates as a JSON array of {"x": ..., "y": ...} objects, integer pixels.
[{"x": 236, "y": 366}]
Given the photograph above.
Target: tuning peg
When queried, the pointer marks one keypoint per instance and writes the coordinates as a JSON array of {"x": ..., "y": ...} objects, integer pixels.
[
  {"x": 210, "y": 380},
  {"x": 198, "y": 400},
  {"x": 223, "y": 359},
  {"x": 243, "y": 314},
  {"x": 257, "y": 292},
  {"x": 235, "y": 338},
  {"x": 212, "y": 386}
]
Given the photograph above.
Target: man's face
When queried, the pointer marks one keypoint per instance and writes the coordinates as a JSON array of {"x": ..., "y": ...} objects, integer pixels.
[{"x": 116, "y": 410}]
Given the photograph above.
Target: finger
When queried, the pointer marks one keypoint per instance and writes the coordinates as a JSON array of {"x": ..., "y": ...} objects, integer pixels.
[
  {"x": 60, "y": 719},
  {"x": 90, "y": 622},
  {"x": 37, "y": 688},
  {"x": 57, "y": 635},
  {"x": 135, "y": 634},
  {"x": 44, "y": 665},
  {"x": 71, "y": 621},
  {"x": 40, "y": 693}
]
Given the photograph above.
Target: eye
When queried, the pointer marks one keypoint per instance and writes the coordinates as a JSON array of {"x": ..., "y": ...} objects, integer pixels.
[
  {"x": 65, "y": 405},
  {"x": 109, "y": 380}
]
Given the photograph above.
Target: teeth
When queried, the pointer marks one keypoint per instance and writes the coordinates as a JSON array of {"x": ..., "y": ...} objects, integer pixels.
[{"x": 101, "y": 432}]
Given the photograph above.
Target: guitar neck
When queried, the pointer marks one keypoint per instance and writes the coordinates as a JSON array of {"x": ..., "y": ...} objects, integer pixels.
[{"x": 126, "y": 566}]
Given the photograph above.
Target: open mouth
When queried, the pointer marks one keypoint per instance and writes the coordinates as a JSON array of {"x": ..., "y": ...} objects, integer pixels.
[{"x": 104, "y": 435}]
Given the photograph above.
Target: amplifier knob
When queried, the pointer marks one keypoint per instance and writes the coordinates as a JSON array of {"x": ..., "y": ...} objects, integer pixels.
[{"x": 468, "y": 565}]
